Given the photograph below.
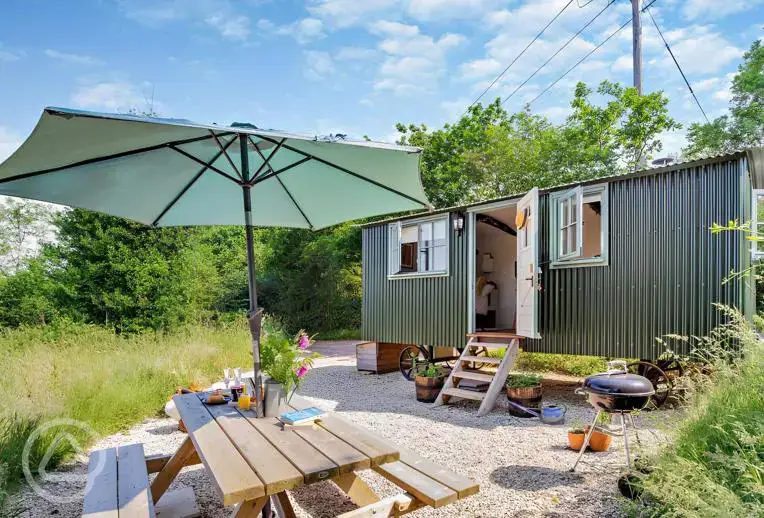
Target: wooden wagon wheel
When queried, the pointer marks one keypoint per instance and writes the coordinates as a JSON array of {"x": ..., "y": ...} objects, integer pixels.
[
  {"x": 660, "y": 381},
  {"x": 480, "y": 351},
  {"x": 409, "y": 358}
]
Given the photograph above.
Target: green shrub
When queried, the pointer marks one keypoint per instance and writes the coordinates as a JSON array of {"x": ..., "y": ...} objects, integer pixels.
[
  {"x": 523, "y": 380},
  {"x": 715, "y": 466}
]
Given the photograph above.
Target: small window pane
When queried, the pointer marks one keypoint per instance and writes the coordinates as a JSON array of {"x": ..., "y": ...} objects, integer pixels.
[
  {"x": 439, "y": 258},
  {"x": 572, "y": 231},
  {"x": 564, "y": 213},
  {"x": 425, "y": 233},
  {"x": 564, "y": 242},
  {"x": 440, "y": 230},
  {"x": 409, "y": 234}
]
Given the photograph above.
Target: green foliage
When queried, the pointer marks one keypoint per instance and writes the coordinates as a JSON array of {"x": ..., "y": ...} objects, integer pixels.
[
  {"x": 744, "y": 126},
  {"x": 715, "y": 467},
  {"x": 523, "y": 380},
  {"x": 569, "y": 364},
  {"x": 24, "y": 226},
  {"x": 430, "y": 370},
  {"x": 108, "y": 381},
  {"x": 281, "y": 358}
]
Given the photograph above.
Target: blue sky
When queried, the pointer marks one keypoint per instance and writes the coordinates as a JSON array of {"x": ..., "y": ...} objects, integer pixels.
[{"x": 348, "y": 66}]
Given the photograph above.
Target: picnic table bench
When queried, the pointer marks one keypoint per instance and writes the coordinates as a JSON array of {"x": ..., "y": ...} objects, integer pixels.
[{"x": 250, "y": 459}]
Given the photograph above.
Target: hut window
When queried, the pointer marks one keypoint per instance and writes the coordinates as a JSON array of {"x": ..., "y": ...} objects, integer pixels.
[
  {"x": 757, "y": 245},
  {"x": 418, "y": 247},
  {"x": 579, "y": 227}
]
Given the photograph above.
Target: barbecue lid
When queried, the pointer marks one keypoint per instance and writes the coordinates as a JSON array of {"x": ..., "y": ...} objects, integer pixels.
[{"x": 619, "y": 383}]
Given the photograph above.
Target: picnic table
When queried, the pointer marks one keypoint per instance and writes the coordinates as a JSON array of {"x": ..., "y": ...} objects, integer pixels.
[{"x": 250, "y": 459}]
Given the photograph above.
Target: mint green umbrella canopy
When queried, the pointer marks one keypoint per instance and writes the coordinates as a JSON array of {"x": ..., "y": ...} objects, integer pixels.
[{"x": 169, "y": 172}]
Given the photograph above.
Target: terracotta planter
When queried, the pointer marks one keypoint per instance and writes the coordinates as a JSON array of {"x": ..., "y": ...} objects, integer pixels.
[
  {"x": 427, "y": 389},
  {"x": 599, "y": 441},
  {"x": 529, "y": 397},
  {"x": 576, "y": 440}
]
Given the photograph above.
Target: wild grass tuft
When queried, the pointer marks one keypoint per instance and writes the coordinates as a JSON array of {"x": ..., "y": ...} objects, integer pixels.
[
  {"x": 108, "y": 381},
  {"x": 715, "y": 466}
]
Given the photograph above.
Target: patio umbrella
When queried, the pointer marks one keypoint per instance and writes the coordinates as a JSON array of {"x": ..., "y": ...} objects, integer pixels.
[{"x": 172, "y": 172}]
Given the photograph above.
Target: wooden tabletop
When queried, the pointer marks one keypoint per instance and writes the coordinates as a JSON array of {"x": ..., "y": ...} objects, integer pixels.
[{"x": 248, "y": 457}]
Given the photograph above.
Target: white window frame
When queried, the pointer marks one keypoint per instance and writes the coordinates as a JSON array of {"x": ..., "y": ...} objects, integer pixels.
[
  {"x": 579, "y": 194},
  {"x": 394, "y": 248},
  {"x": 756, "y": 255}
]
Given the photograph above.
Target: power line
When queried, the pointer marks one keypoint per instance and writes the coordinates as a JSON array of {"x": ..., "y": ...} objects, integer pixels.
[
  {"x": 677, "y": 65},
  {"x": 619, "y": 29},
  {"x": 519, "y": 55},
  {"x": 582, "y": 29}
]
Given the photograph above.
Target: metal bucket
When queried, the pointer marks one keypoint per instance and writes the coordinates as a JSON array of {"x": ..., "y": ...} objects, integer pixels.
[
  {"x": 274, "y": 399},
  {"x": 548, "y": 414}
]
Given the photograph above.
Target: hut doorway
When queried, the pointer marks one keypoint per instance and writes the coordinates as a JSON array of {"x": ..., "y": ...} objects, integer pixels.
[{"x": 493, "y": 289}]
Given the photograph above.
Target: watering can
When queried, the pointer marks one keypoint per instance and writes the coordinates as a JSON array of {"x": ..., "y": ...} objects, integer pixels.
[{"x": 549, "y": 414}]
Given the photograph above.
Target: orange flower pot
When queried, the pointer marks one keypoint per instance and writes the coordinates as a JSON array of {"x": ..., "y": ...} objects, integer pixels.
[
  {"x": 599, "y": 441},
  {"x": 576, "y": 440}
]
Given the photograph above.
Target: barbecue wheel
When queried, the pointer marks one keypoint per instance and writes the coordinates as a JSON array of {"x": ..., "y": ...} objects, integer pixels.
[
  {"x": 409, "y": 359},
  {"x": 660, "y": 381}
]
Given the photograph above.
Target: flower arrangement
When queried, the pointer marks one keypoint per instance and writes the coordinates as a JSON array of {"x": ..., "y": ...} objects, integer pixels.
[{"x": 287, "y": 361}]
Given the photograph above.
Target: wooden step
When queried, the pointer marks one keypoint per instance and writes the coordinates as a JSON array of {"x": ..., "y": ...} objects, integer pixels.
[
  {"x": 466, "y": 394},
  {"x": 473, "y": 375},
  {"x": 489, "y": 345},
  {"x": 480, "y": 359}
]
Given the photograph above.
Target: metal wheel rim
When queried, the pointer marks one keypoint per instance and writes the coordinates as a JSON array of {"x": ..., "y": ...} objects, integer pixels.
[
  {"x": 658, "y": 378},
  {"x": 408, "y": 358}
]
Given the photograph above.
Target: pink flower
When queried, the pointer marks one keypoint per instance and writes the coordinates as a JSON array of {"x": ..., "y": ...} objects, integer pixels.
[
  {"x": 303, "y": 342},
  {"x": 301, "y": 371}
]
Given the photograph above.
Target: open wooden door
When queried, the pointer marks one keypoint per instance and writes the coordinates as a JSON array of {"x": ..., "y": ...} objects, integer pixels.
[{"x": 528, "y": 270}]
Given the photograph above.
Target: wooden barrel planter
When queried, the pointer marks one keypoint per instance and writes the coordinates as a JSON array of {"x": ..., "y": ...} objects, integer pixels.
[
  {"x": 428, "y": 388},
  {"x": 529, "y": 397}
]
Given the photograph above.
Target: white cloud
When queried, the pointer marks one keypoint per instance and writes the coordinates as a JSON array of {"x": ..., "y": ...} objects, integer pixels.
[
  {"x": 9, "y": 142},
  {"x": 344, "y": 13},
  {"x": 556, "y": 114},
  {"x": 9, "y": 55},
  {"x": 119, "y": 96},
  {"x": 320, "y": 65},
  {"x": 700, "y": 50},
  {"x": 355, "y": 54},
  {"x": 716, "y": 9},
  {"x": 231, "y": 27},
  {"x": 414, "y": 60},
  {"x": 303, "y": 31},
  {"x": 480, "y": 68},
  {"x": 77, "y": 59},
  {"x": 623, "y": 63},
  {"x": 220, "y": 15},
  {"x": 426, "y": 10},
  {"x": 707, "y": 84}
]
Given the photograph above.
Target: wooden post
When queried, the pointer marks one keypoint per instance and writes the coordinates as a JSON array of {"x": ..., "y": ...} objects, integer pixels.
[{"x": 636, "y": 34}]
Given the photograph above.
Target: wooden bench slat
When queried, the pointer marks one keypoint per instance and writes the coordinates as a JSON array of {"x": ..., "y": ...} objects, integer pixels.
[
  {"x": 232, "y": 476},
  {"x": 133, "y": 483},
  {"x": 313, "y": 464},
  {"x": 427, "y": 490},
  {"x": 377, "y": 449},
  {"x": 341, "y": 453},
  {"x": 463, "y": 486},
  {"x": 101, "y": 489},
  {"x": 276, "y": 472}
]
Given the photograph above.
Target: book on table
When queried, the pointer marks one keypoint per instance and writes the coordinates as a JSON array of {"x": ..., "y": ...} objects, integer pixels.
[{"x": 305, "y": 416}]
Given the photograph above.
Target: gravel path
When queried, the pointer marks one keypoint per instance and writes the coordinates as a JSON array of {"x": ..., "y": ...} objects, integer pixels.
[{"x": 521, "y": 465}]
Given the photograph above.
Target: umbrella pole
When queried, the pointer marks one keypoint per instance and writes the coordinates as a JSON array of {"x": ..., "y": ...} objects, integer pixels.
[{"x": 255, "y": 314}]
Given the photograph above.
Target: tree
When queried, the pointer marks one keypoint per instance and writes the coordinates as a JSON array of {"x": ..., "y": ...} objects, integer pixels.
[
  {"x": 24, "y": 226},
  {"x": 622, "y": 133},
  {"x": 744, "y": 126}
]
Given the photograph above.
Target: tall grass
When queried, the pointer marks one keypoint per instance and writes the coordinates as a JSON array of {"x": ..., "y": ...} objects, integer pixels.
[
  {"x": 105, "y": 380},
  {"x": 715, "y": 466}
]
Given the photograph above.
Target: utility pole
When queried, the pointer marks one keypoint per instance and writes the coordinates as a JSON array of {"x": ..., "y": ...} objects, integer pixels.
[{"x": 636, "y": 35}]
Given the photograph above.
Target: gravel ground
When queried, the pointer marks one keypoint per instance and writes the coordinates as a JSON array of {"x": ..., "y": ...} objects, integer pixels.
[{"x": 521, "y": 464}]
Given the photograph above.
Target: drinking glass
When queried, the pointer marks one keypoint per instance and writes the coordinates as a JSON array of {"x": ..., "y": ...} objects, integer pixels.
[{"x": 227, "y": 376}]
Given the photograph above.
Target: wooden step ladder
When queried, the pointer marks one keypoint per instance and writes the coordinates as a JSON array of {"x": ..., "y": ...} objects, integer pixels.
[{"x": 496, "y": 380}]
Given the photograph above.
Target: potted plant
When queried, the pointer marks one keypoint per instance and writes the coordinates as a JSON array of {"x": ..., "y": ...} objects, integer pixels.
[
  {"x": 525, "y": 390},
  {"x": 429, "y": 382},
  {"x": 600, "y": 441},
  {"x": 576, "y": 435},
  {"x": 285, "y": 362}
]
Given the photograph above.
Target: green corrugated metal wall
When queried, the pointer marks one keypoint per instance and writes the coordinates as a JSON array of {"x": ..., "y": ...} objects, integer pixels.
[
  {"x": 428, "y": 311},
  {"x": 665, "y": 271}
]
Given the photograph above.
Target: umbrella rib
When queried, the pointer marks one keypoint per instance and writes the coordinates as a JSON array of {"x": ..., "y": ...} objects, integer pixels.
[
  {"x": 295, "y": 203},
  {"x": 228, "y": 157},
  {"x": 191, "y": 183},
  {"x": 210, "y": 166},
  {"x": 265, "y": 163},
  {"x": 282, "y": 170},
  {"x": 108, "y": 157},
  {"x": 265, "y": 160},
  {"x": 345, "y": 170}
]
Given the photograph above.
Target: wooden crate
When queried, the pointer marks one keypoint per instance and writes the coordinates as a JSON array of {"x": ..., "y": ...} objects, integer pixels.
[{"x": 379, "y": 357}]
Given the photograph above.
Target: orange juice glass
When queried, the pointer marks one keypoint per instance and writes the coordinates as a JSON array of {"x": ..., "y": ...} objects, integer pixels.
[{"x": 244, "y": 401}]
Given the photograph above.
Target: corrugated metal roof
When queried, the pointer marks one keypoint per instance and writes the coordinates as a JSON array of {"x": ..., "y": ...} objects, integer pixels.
[{"x": 756, "y": 172}]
